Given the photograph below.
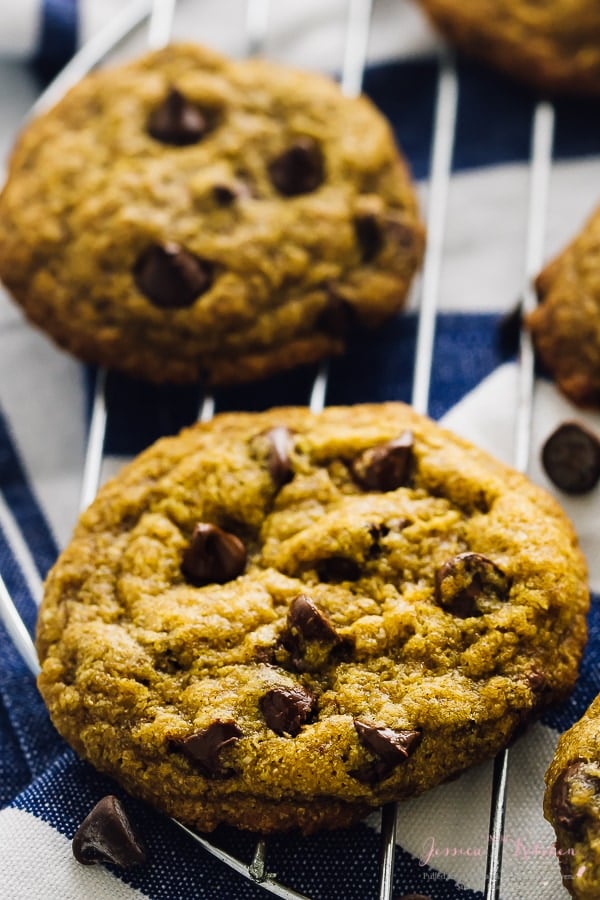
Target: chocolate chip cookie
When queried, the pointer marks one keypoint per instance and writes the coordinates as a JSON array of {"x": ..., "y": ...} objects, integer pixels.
[
  {"x": 572, "y": 804},
  {"x": 286, "y": 619},
  {"x": 186, "y": 217},
  {"x": 553, "y": 45},
  {"x": 566, "y": 324}
]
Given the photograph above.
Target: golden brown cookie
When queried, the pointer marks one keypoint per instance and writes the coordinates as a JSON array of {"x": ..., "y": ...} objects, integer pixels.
[
  {"x": 572, "y": 804},
  {"x": 286, "y": 619},
  {"x": 566, "y": 324},
  {"x": 553, "y": 45},
  {"x": 186, "y": 217}
]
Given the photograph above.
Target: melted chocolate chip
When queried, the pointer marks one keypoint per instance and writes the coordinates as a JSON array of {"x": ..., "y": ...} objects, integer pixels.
[
  {"x": 204, "y": 747},
  {"x": 391, "y": 747},
  {"x": 571, "y": 458},
  {"x": 177, "y": 121},
  {"x": 170, "y": 276},
  {"x": 338, "y": 568},
  {"x": 299, "y": 169},
  {"x": 279, "y": 463},
  {"x": 287, "y": 709},
  {"x": 213, "y": 555},
  {"x": 106, "y": 836},
  {"x": 470, "y": 584},
  {"x": 309, "y": 637},
  {"x": 387, "y": 466},
  {"x": 565, "y": 814},
  {"x": 368, "y": 235},
  {"x": 307, "y": 620},
  {"x": 337, "y": 317}
]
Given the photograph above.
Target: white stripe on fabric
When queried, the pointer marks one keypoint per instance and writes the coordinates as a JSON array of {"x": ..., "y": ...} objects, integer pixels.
[
  {"x": 37, "y": 861},
  {"x": 19, "y": 27},
  {"x": 13, "y": 535}
]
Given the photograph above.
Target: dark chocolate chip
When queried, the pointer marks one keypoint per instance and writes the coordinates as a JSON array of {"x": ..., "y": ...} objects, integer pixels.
[
  {"x": 107, "y": 836},
  {"x": 470, "y": 584},
  {"x": 299, "y": 169},
  {"x": 391, "y": 747},
  {"x": 204, "y": 747},
  {"x": 385, "y": 467},
  {"x": 227, "y": 194},
  {"x": 170, "y": 276},
  {"x": 368, "y": 235},
  {"x": 338, "y": 568},
  {"x": 177, "y": 121},
  {"x": 571, "y": 458},
  {"x": 213, "y": 555},
  {"x": 537, "y": 682},
  {"x": 337, "y": 317},
  {"x": 304, "y": 617},
  {"x": 565, "y": 814},
  {"x": 287, "y": 709},
  {"x": 280, "y": 467}
]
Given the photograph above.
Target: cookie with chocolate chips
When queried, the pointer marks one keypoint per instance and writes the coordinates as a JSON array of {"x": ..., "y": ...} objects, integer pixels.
[
  {"x": 572, "y": 804},
  {"x": 553, "y": 45},
  {"x": 285, "y": 619},
  {"x": 566, "y": 324},
  {"x": 185, "y": 217}
]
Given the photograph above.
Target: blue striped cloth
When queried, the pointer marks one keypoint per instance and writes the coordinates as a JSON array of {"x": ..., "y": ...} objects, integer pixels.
[{"x": 46, "y": 791}]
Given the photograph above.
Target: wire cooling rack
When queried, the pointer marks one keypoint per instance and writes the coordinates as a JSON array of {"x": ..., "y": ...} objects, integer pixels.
[{"x": 157, "y": 17}]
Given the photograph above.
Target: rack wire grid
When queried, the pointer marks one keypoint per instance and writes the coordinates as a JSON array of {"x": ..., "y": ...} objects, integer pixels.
[{"x": 156, "y": 16}]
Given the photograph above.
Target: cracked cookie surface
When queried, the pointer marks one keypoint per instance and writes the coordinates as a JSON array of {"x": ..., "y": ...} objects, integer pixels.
[
  {"x": 285, "y": 619},
  {"x": 186, "y": 217},
  {"x": 553, "y": 45}
]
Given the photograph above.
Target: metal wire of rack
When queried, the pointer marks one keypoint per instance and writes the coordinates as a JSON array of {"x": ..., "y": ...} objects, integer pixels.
[{"x": 159, "y": 15}]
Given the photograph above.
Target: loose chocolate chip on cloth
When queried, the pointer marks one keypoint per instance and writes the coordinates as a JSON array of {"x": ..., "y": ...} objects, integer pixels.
[
  {"x": 107, "y": 836},
  {"x": 275, "y": 652},
  {"x": 571, "y": 458},
  {"x": 208, "y": 219}
]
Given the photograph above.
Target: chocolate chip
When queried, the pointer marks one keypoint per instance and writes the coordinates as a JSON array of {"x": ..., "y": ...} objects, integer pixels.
[
  {"x": 280, "y": 467},
  {"x": 390, "y": 746},
  {"x": 287, "y": 709},
  {"x": 309, "y": 638},
  {"x": 307, "y": 620},
  {"x": 177, "y": 121},
  {"x": 170, "y": 276},
  {"x": 565, "y": 814},
  {"x": 385, "y": 467},
  {"x": 299, "y": 169},
  {"x": 571, "y": 458},
  {"x": 213, "y": 555},
  {"x": 470, "y": 584},
  {"x": 337, "y": 317},
  {"x": 338, "y": 568},
  {"x": 204, "y": 747},
  {"x": 107, "y": 836},
  {"x": 368, "y": 235},
  {"x": 227, "y": 194}
]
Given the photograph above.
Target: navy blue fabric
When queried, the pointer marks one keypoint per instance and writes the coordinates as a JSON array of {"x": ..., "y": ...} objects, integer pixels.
[
  {"x": 378, "y": 366},
  {"x": 57, "y": 37}
]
